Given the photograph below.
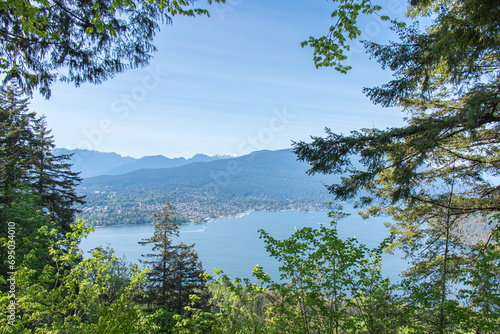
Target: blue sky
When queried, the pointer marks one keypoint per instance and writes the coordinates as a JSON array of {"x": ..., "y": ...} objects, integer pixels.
[{"x": 233, "y": 83}]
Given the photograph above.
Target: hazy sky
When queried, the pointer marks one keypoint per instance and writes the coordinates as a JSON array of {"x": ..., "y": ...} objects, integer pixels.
[{"x": 233, "y": 83}]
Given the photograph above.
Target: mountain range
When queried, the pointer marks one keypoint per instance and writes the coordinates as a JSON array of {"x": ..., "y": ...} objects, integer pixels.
[
  {"x": 200, "y": 188},
  {"x": 261, "y": 174},
  {"x": 93, "y": 163}
]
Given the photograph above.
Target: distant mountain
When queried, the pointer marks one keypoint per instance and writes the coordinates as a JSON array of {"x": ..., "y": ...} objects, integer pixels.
[
  {"x": 262, "y": 174},
  {"x": 158, "y": 161},
  {"x": 200, "y": 191},
  {"x": 93, "y": 163},
  {"x": 225, "y": 156}
]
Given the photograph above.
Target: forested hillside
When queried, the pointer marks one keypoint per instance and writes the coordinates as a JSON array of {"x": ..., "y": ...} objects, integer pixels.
[{"x": 264, "y": 180}]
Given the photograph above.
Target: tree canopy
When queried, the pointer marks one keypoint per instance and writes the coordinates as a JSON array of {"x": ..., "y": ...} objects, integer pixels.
[
  {"x": 440, "y": 169},
  {"x": 331, "y": 50},
  {"x": 80, "y": 41},
  {"x": 446, "y": 80},
  {"x": 37, "y": 187}
]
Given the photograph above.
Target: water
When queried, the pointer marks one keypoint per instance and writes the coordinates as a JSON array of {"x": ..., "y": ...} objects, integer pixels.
[{"x": 233, "y": 244}]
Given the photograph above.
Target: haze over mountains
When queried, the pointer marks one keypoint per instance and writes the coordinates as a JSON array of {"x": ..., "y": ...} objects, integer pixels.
[
  {"x": 93, "y": 163},
  {"x": 200, "y": 188},
  {"x": 261, "y": 174}
]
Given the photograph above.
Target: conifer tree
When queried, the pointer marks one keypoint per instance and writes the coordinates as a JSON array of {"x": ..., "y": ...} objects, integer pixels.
[
  {"x": 18, "y": 204},
  {"x": 80, "y": 41},
  {"x": 15, "y": 143},
  {"x": 176, "y": 271},
  {"x": 162, "y": 252},
  {"x": 440, "y": 169},
  {"x": 52, "y": 178},
  {"x": 186, "y": 278},
  {"x": 37, "y": 188}
]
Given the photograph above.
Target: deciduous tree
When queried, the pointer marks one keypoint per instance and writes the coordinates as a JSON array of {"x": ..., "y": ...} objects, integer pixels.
[{"x": 75, "y": 296}]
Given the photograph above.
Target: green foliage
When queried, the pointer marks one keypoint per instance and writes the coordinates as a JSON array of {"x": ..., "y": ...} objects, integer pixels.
[
  {"x": 46, "y": 285},
  {"x": 447, "y": 82},
  {"x": 79, "y": 42},
  {"x": 329, "y": 50},
  {"x": 26, "y": 160},
  {"x": 52, "y": 178},
  {"x": 327, "y": 282},
  {"x": 163, "y": 250},
  {"x": 432, "y": 176},
  {"x": 243, "y": 305},
  {"x": 72, "y": 295},
  {"x": 328, "y": 285},
  {"x": 37, "y": 188},
  {"x": 483, "y": 282},
  {"x": 198, "y": 321},
  {"x": 25, "y": 219},
  {"x": 437, "y": 172}
]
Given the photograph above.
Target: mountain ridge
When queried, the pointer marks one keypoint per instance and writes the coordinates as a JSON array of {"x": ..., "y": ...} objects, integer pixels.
[
  {"x": 262, "y": 180},
  {"x": 92, "y": 163}
]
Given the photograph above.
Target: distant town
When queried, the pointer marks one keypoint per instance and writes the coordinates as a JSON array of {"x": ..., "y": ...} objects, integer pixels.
[{"x": 195, "y": 211}]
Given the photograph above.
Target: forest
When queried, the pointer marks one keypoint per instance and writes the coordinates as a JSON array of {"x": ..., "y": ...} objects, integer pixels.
[{"x": 435, "y": 176}]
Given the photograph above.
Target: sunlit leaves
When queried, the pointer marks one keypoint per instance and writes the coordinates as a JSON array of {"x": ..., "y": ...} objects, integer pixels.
[
  {"x": 327, "y": 280},
  {"x": 331, "y": 50},
  {"x": 71, "y": 295}
]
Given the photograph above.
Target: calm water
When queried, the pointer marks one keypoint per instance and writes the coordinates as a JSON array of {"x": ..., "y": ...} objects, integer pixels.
[{"x": 233, "y": 244}]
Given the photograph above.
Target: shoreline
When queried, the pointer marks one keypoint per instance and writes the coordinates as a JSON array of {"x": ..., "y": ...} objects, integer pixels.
[{"x": 211, "y": 220}]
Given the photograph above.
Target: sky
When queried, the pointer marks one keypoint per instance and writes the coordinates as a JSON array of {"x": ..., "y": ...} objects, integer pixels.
[{"x": 233, "y": 83}]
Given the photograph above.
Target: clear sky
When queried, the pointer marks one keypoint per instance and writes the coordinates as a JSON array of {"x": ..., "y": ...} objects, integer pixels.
[{"x": 233, "y": 83}]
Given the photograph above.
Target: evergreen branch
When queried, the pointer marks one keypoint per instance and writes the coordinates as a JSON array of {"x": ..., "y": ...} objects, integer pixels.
[{"x": 70, "y": 12}]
